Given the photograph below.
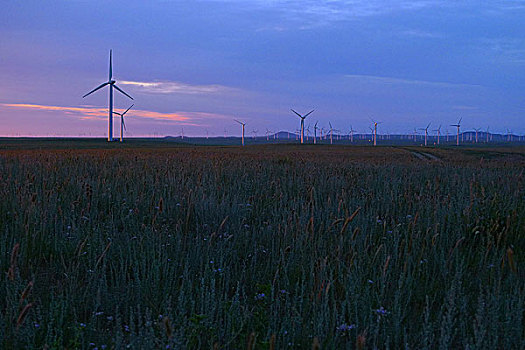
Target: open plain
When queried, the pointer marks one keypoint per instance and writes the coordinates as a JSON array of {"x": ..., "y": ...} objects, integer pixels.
[{"x": 160, "y": 245}]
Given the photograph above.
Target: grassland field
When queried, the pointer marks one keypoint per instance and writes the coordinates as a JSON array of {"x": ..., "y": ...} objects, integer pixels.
[{"x": 156, "y": 245}]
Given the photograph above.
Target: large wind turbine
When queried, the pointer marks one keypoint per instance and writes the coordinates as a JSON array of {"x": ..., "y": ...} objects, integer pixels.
[
  {"x": 303, "y": 117},
  {"x": 426, "y": 133},
  {"x": 122, "y": 123},
  {"x": 375, "y": 131},
  {"x": 457, "y": 126},
  {"x": 112, "y": 85},
  {"x": 243, "y": 125}
]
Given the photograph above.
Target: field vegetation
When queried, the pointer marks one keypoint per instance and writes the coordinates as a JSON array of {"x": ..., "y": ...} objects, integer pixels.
[{"x": 266, "y": 247}]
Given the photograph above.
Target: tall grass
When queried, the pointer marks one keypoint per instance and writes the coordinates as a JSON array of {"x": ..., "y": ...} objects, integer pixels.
[{"x": 260, "y": 248}]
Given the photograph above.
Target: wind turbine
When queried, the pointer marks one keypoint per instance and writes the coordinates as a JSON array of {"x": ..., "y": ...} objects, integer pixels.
[
  {"x": 331, "y": 133},
  {"x": 122, "y": 123},
  {"x": 457, "y": 126},
  {"x": 315, "y": 132},
  {"x": 243, "y": 125},
  {"x": 308, "y": 133},
  {"x": 439, "y": 132},
  {"x": 303, "y": 117},
  {"x": 487, "y": 134},
  {"x": 375, "y": 130},
  {"x": 351, "y": 134},
  {"x": 112, "y": 85},
  {"x": 426, "y": 133},
  {"x": 254, "y": 132},
  {"x": 477, "y": 130},
  {"x": 415, "y": 135},
  {"x": 267, "y": 134}
]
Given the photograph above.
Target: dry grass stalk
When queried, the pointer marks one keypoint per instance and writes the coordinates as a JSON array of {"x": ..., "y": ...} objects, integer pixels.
[
  {"x": 26, "y": 291},
  {"x": 251, "y": 341},
  {"x": 361, "y": 341},
  {"x": 272, "y": 342},
  {"x": 386, "y": 265},
  {"x": 349, "y": 219},
  {"x": 23, "y": 314},
  {"x": 315, "y": 344},
  {"x": 103, "y": 254},
  {"x": 14, "y": 258},
  {"x": 510, "y": 258},
  {"x": 167, "y": 326}
]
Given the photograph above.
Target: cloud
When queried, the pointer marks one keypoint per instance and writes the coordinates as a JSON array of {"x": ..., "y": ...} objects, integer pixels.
[
  {"x": 420, "y": 34},
  {"x": 399, "y": 81},
  {"x": 96, "y": 113},
  {"x": 174, "y": 87}
]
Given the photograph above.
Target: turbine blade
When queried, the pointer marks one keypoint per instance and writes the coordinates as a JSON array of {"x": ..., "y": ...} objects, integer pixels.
[
  {"x": 95, "y": 89},
  {"x": 459, "y": 122},
  {"x": 307, "y": 114},
  {"x": 110, "y": 65},
  {"x": 124, "y": 123},
  {"x": 128, "y": 109},
  {"x": 119, "y": 89},
  {"x": 300, "y": 116}
]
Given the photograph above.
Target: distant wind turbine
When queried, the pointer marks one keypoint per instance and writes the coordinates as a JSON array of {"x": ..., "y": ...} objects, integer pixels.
[
  {"x": 351, "y": 134},
  {"x": 331, "y": 133},
  {"x": 426, "y": 133},
  {"x": 112, "y": 85},
  {"x": 303, "y": 117},
  {"x": 315, "y": 132},
  {"x": 477, "y": 130},
  {"x": 122, "y": 123},
  {"x": 243, "y": 125},
  {"x": 439, "y": 133},
  {"x": 375, "y": 130},
  {"x": 458, "y": 125}
]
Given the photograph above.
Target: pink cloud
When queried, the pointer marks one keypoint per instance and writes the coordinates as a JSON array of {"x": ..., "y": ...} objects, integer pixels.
[{"x": 96, "y": 113}]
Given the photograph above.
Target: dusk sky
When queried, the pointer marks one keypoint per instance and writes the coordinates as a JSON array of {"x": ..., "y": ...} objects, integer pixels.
[{"x": 198, "y": 65}]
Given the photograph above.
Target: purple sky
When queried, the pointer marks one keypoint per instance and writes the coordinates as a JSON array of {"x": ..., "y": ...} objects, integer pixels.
[{"x": 198, "y": 64}]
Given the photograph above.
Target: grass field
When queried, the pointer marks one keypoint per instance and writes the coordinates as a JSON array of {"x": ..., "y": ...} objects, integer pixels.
[{"x": 148, "y": 245}]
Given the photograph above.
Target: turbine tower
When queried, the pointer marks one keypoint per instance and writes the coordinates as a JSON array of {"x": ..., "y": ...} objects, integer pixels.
[
  {"x": 439, "y": 133},
  {"x": 243, "y": 125},
  {"x": 112, "y": 85},
  {"x": 315, "y": 132},
  {"x": 351, "y": 134},
  {"x": 122, "y": 123},
  {"x": 375, "y": 131},
  {"x": 303, "y": 117},
  {"x": 426, "y": 133},
  {"x": 477, "y": 130},
  {"x": 331, "y": 133},
  {"x": 457, "y": 126}
]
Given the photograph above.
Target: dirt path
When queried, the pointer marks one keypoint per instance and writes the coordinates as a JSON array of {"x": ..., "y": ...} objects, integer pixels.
[{"x": 424, "y": 156}]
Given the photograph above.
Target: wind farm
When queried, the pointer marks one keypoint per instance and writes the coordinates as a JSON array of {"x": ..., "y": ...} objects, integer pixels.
[{"x": 196, "y": 204}]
